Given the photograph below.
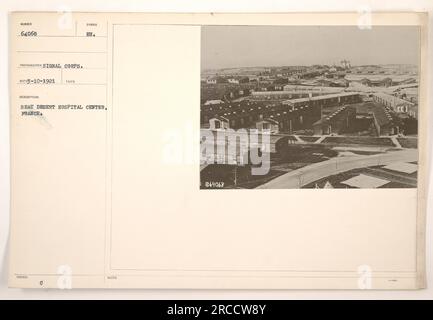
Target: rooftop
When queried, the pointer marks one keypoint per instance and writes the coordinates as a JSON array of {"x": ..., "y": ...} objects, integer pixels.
[{"x": 324, "y": 97}]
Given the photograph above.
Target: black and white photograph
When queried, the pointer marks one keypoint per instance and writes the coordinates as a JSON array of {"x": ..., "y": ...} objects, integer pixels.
[{"x": 291, "y": 107}]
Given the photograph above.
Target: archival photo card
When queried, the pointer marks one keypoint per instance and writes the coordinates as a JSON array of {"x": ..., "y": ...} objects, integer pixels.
[
  {"x": 111, "y": 186},
  {"x": 290, "y": 107}
]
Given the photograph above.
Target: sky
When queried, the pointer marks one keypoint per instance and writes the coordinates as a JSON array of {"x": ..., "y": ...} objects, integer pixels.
[{"x": 247, "y": 46}]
